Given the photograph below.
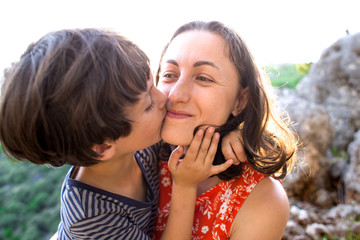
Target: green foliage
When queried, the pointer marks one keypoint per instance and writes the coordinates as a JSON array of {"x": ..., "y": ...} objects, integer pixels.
[
  {"x": 328, "y": 237},
  {"x": 348, "y": 236},
  {"x": 29, "y": 199},
  {"x": 286, "y": 75},
  {"x": 303, "y": 68},
  {"x": 340, "y": 154},
  {"x": 352, "y": 236},
  {"x": 355, "y": 218}
]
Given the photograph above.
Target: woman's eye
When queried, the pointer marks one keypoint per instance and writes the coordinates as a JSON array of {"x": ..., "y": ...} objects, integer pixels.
[
  {"x": 204, "y": 79},
  {"x": 169, "y": 75}
]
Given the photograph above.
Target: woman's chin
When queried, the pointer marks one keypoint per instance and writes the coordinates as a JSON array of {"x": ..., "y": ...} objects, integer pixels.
[{"x": 176, "y": 137}]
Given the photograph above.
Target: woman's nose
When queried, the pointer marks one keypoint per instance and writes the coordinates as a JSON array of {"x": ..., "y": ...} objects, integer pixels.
[{"x": 180, "y": 91}]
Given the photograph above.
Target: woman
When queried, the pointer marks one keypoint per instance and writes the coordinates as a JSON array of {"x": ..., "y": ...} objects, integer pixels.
[{"x": 211, "y": 78}]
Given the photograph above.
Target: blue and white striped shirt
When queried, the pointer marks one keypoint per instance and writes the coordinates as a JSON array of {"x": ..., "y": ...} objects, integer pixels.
[{"x": 91, "y": 213}]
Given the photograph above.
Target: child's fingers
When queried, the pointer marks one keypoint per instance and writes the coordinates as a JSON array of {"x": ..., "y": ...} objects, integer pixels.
[
  {"x": 193, "y": 149},
  {"x": 233, "y": 150},
  {"x": 227, "y": 150},
  {"x": 206, "y": 143},
  {"x": 175, "y": 157},
  {"x": 239, "y": 151},
  {"x": 208, "y": 161},
  {"x": 220, "y": 168}
]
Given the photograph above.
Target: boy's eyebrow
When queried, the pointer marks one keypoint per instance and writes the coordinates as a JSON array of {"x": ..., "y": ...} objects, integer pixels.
[
  {"x": 149, "y": 90},
  {"x": 197, "y": 64}
]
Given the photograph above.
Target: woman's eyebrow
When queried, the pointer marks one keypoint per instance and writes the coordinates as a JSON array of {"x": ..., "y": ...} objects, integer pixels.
[
  {"x": 200, "y": 63},
  {"x": 173, "y": 62},
  {"x": 197, "y": 64}
]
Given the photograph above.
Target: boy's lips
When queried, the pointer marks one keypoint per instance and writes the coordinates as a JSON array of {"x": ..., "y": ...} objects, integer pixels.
[{"x": 177, "y": 114}]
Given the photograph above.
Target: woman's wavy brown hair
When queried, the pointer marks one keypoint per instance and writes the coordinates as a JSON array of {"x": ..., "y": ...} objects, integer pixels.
[
  {"x": 69, "y": 91},
  {"x": 269, "y": 144}
]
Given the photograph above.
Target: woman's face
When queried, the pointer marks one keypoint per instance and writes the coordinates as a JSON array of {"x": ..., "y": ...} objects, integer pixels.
[{"x": 201, "y": 83}]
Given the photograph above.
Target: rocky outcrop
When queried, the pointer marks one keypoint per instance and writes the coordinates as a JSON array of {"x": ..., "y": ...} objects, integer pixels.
[
  {"x": 334, "y": 82},
  {"x": 310, "y": 222},
  {"x": 352, "y": 173},
  {"x": 324, "y": 188},
  {"x": 312, "y": 123}
]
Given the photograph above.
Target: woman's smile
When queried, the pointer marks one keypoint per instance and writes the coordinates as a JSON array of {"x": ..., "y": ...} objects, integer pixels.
[{"x": 177, "y": 114}]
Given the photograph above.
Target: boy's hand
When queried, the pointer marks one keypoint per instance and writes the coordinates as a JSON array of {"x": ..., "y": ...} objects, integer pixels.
[
  {"x": 232, "y": 147},
  {"x": 197, "y": 164}
]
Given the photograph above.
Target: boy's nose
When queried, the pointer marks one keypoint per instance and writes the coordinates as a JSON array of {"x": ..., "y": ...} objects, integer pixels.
[{"x": 162, "y": 99}]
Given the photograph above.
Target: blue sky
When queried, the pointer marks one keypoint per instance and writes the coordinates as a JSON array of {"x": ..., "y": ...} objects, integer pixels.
[{"x": 277, "y": 31}]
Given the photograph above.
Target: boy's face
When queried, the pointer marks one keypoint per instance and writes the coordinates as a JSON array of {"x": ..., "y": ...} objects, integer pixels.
[{"x": 147, "y": 116}]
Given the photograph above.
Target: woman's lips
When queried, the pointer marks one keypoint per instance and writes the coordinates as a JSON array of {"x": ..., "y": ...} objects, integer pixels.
[{"x": 177, "y": 115}]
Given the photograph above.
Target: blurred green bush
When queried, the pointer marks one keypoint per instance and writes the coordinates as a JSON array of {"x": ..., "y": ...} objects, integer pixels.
[
  {"x": 29, "y": 199},
  {"x": 287, "y": 75}
]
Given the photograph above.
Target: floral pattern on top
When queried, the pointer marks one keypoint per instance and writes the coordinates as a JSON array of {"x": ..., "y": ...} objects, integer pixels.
[{"x": 215, "y": 209}]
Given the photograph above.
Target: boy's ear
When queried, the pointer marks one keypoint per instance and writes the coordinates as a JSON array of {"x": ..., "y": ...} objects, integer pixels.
[
  {"x": 106, "y": 150},
  {"x": 241, "y": 102}
]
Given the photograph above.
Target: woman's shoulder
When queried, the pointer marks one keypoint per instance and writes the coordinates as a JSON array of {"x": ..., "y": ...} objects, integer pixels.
[
  {"x": 268, "y": 192},
  {"x": 267, "y": 206}
]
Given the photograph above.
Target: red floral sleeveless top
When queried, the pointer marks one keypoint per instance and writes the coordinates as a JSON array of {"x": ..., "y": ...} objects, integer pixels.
[{"x": 215, "y": 209}]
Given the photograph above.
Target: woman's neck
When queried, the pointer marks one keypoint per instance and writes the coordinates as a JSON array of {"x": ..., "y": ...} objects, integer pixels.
[{"x": 207, "y": 184}]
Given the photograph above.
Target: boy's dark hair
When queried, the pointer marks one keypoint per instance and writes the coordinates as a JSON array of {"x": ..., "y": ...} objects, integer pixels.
[{"x": 69, "y": 91}]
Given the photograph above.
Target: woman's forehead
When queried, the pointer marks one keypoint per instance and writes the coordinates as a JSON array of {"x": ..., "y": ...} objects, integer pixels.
[{"x": 197, "y": 44}]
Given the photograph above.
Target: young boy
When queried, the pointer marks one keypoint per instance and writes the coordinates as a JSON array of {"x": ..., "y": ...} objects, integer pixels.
[{"x": 86, "y": 98}]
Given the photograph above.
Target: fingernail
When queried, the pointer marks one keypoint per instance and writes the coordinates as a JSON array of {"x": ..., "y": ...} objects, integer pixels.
[{"x": 211, "y": 130}]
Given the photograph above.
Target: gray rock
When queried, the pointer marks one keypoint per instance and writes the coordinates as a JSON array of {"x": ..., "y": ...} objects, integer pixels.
[
  {"x": 334, "y": 81},
  {"x": 325, "y": 108},
  {"x": 294, "y": 228},
  {"x": 352, "y": 175},
  {"x": 312, "y": 124},
  {"x": 355, "y": 228},
  {"x": 315, "y": 230}
]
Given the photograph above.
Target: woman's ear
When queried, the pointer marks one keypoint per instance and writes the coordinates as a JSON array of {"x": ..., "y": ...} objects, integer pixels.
[
  {"x": 241, "y": 102},
  {"x": 105, "y": 150}
]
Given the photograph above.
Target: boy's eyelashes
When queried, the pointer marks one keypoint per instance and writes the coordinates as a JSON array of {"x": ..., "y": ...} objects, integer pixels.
[{"x": 150, "y": 106}]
